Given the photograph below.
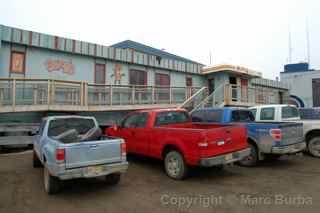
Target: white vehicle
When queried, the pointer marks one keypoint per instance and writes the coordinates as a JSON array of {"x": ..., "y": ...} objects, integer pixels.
[{"x": 279, "y": 113}]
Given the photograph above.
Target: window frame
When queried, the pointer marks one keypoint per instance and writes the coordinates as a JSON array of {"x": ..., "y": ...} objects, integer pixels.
[
  {"x": 145, "y": 74},
  {"x": 23, "y": 72},
  {"x": 104, "y": 72},
  {"x": 155, "y": 124},
  {"x": 282, "y": 108}
]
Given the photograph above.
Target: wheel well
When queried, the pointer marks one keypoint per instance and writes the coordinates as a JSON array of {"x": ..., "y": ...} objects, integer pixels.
[
  {"x": 312, "y": 134},
  {"x": 251, "y": 141},
  {"x": 168, "y": 148}
]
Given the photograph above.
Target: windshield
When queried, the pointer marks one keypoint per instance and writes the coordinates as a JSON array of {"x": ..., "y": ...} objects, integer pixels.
[
  {"x": 290, "y": 112},
  {"x": 165, "y": 118}
]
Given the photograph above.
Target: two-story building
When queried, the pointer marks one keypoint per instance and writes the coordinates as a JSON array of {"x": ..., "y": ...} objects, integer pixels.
[{"x": 47, "y": 73}]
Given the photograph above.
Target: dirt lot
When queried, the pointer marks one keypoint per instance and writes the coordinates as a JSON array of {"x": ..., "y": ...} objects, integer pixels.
[{"x": 288, "y": 185}]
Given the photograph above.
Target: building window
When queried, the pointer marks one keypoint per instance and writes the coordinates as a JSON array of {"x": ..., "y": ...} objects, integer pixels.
[
  {"x": 17, "y": 64},
  {"x": 100, "y": 74},
  {"x": 138, "y": 77},
  {"x": 189, "y": 81},
  {"x": 162, "y": 79}
]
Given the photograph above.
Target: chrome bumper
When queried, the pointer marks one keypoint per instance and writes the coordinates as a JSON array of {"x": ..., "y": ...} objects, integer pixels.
[
  {"x": 225, "y": 158},
  {"x": 290, "y": 149},
  {"x": 83, "y": 172}
]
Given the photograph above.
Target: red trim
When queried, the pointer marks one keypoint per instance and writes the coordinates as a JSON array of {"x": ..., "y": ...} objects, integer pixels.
[
  {"x": 24, "y": 62},
  {"x": 132, "y": 58},
  {"x": 73, "y": 45},
  {"x": 65, "y": 44},
  {"x": 56, "y": 42},
  {"x": 104, "y": 73},
  {"x": 21, "y": 36},
  {"x": 188, "y": 80},
  {"x": 30, "y": 38}
]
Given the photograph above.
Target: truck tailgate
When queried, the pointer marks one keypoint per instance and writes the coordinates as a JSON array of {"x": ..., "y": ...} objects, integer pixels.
[
  {"x": 225, "y": 140},
  {"x": 291, "y": 133},
  {"x": 92, "y": 153}
]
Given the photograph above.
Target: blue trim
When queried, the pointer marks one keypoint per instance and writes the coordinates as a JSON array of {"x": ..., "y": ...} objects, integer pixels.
[{"x": 297, "y": 99}]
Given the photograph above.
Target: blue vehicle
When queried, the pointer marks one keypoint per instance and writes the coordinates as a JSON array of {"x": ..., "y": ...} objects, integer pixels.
[
  {"x": 70, "y": 147},
  {"x": 266, "y": 139}
]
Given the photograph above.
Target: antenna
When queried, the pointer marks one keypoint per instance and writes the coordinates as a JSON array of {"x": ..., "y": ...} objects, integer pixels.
[
  {"x": 308, "y": 41},
  {"x": 290, "y": 47}
]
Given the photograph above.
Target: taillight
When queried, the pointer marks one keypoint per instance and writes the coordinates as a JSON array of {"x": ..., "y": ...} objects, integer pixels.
[
  {"x": 123, "y": 149},
  {"x": 60, "y": 154},
  {"x": 276, "y": 134}
]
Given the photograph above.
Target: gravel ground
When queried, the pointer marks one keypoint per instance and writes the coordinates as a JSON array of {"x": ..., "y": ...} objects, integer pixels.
[{"x": 290, "y": 184}]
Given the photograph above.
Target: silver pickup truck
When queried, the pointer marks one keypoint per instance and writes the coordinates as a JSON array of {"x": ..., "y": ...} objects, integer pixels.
[{"x": 73, "y": 147}]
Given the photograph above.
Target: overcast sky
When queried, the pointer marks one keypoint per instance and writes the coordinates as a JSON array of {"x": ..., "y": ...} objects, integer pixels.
[{"x": 252, "y": 33}]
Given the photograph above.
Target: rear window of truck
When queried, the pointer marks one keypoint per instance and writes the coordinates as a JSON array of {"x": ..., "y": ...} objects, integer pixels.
[
  {"x": 267, "y": 113},
  {"x": 166, "y": 118},
  {"x": 214, "y": 116},
  {"x": 80, "y": 125},
  {"x": 242, "y": 116},
  {"x": 289, "y": 112}
]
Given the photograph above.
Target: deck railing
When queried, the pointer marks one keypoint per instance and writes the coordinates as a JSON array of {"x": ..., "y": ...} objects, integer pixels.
[{"x": 40, "y": 94}]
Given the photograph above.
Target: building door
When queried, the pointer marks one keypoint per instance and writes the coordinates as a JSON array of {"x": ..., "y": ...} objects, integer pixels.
[
  {"x": 139, "y": 80},
  {"x": 162, "y": 83},
  {"x": 244, "y": 90},
  {"x": 189, "y": 86},
  {"x": 211, "y": 85},
  {"x": 234, "y": 88},
  {"x": 316, "y": 92}
]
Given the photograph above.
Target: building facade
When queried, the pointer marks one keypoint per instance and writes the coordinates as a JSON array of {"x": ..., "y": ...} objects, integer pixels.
[
  {"x": 304, "y": 84},
  {"x": 46, "y": 73}
]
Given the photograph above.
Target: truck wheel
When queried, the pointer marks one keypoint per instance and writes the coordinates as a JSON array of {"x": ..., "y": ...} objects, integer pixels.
[
  {"x": 314, "y": 146},
  {"x": 175, "y": 165},
  {"x": 51, "y": 184},
  {"x": 252, "y": 159},
  {"x": 36, "y": 162},
  {"x": 113, "y": 179}
]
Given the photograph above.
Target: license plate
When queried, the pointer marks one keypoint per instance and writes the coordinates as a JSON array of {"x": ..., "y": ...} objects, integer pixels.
[
  {"x": 95, "y": 170},
  {"x": 228, "y": 157}
]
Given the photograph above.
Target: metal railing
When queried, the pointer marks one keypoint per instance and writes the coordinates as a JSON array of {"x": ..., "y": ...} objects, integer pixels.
[{"x": 46, "y": 93}]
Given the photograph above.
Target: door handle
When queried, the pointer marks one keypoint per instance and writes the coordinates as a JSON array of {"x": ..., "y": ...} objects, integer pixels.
[{"x": 94, "y": 146}]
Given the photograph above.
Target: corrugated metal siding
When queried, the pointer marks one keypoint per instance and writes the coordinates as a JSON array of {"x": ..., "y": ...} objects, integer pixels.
[
  {"x": 269, "y": 83},
  {"x": 20, "y": 36}
]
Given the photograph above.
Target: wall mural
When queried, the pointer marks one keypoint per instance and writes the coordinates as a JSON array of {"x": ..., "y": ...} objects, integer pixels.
[
  {"x": 66, "y": 67},
  {"x": 117, "y": 74}
]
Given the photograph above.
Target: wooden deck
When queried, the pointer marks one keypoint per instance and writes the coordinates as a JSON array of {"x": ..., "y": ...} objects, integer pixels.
[{"x": 36, "y": 95}]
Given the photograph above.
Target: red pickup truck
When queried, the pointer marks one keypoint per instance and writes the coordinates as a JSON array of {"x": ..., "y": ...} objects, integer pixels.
[{"x": 169, "y": 134}]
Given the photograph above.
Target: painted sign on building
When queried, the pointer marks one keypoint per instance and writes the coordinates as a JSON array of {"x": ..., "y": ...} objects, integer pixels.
[{"x": 66, "y": 67}]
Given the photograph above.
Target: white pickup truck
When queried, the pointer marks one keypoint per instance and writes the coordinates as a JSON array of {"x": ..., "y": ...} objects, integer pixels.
[{"x": 279, "y": 113}]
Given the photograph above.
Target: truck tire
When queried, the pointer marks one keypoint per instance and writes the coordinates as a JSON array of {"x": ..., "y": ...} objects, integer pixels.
[
  {"x": 113, "y": 179},
  {"x": 252, "y": 159},
  {"x": 36, "y": 162},
  {"x": 52, "y": 184},
  {"x": 175, "y": 165},
  {"x": 314, "y": 146}
]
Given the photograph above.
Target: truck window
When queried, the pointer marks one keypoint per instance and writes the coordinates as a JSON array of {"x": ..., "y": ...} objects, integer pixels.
[
  {"x": 267, "y": 113},
  {"x": 215, "y": 116},
  {"x": 199, "y": 116},
  {"x": 254, "y": 112},
  {"x": 61, "y": 125},
  {"x": 41, "y": 127},
  {"x": 242, "y": 116},
  {"x": 165, "y": 118},
  {"x": 289, "y": 112},
  {"x": 137, "y": 120}
]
